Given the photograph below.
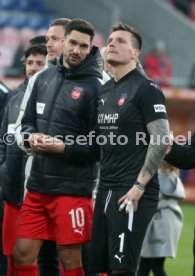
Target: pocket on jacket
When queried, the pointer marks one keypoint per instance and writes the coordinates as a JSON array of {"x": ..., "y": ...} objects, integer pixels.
[{"x": 156, "y": 229}]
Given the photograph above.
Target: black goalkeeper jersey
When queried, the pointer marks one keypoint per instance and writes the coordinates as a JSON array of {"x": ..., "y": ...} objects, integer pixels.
[{"x": 125, "y": 108}]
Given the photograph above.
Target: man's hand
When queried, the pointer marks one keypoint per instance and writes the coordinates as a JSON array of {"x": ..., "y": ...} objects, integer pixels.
[
  {"x": 46, "y": 143},
  {"x": 33, "y": 140},
  {"x": 132, "y": 197}
]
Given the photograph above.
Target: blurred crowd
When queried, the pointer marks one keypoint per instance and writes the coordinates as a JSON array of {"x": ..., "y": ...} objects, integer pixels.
[{"x": 187, "y": 7}]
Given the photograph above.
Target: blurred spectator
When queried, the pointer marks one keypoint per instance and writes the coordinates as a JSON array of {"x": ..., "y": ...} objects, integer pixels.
[
  {"x": 158, "y": 64},
  {"x": 163, "y": 233},
  {"x": 187, "y": 7},
  {"x": 192, "y": 10},
  {"x": 16, "y": 68},
  {"x": 99, "y": 40},
  {"x": 5, "y": 95},
  {"x": 192, "y": 76},
  {"x": 183, "y": 5}
]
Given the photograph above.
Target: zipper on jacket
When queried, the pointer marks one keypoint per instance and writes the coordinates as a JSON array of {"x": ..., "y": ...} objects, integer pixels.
[{"x": 52, "y": 109}]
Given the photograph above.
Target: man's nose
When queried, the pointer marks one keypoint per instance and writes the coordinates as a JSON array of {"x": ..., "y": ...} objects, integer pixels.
[
  {"x": 34, "y": 68},
  {"x": 49, "y": 43},
  {"x": 76, "y": 49}
]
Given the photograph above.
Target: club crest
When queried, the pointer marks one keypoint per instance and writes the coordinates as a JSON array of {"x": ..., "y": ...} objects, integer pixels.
[
  {"x": 76, "y": 93},
  {"x": 122, "y": 99}
]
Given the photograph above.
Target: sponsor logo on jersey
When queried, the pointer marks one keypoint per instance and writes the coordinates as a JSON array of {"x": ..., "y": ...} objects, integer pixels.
[
  {"x": 107, "y": 118},
  {"x": 102, "y": 100},
  {"x": 119, "y": 258},
  {"x": 76, "y": 93},
  {"x": 159, "y": 108},
  {"x": 79, "y": 231},
  {"x": 122, "y": 99}
]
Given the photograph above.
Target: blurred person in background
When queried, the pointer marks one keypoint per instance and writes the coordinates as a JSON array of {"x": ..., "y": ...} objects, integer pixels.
[
  {"x": 164, "y": 231},
  {"x": 55, "y": 40},
  {"x": 192, "y": 77},
  {"x": 12, "y": 159},
  {"x": 183, "y": 157},
  {"x": 183, "y": 6},
  {"x": 158, "y": 65},
  {"x": 5, "y": 95}
]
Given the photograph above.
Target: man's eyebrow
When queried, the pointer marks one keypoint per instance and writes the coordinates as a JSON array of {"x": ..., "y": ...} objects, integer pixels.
[{"x": 81, "y": 44}]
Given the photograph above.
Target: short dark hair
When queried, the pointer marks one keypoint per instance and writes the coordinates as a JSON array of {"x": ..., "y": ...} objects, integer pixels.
[
  {"x": 137, "y": 39},
  {"x": 37, "y": 40},
  {"x": 82, "y": 26},
  {"x": 60, "y": 22},
  {"x": 35, "y": 50}
]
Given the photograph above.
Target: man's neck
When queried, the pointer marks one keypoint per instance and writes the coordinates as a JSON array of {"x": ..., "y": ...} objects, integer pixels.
[{"x": 120, "y": 71}]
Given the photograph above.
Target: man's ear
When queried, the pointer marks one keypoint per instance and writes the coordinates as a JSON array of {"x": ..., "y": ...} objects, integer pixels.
[
  {"x": 90, "y": 46},
  {"x": 136, "y": 53}
]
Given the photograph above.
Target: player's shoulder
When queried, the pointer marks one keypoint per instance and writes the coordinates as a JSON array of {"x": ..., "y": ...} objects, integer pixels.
[
  {"x": 107, "y": 87},
  {"x": 150, "y": 86}
]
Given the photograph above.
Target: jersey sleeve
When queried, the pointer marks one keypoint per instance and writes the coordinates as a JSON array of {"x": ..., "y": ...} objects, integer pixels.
[{"x": 151, "y": 102}]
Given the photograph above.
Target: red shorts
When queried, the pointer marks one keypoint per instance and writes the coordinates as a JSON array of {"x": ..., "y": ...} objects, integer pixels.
[
  {"x": 10, "y": 217},
  {"x": 64, "y": 219}
]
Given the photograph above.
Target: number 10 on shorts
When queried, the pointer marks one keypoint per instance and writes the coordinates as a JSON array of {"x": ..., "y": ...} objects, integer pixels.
[{"x": 77, "y": 217}]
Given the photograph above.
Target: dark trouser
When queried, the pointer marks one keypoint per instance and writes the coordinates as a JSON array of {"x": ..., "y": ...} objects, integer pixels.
[
  {"x": 156, "y": 265},
  {"x": 48, "y": 260},
  {"x": 3, "y": 259},
  {"x": 85, "y": 260},
  {"x": 113, "y": 246},
  {"x": 194, "y": 253}
]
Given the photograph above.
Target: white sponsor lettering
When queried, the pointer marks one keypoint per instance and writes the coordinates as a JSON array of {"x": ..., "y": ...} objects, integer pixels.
[
  {"x": 40, "y": 108},
  {"x": 107, "y": 118},
  {"x": 11, "y": 128},
  {"x": 159, "y": 108}
]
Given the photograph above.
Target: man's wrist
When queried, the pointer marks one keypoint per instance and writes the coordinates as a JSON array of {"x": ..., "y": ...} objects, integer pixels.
[{"x": 140, "y": 185}]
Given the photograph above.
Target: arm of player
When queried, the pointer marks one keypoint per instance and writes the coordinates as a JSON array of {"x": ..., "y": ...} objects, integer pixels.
[
  {"x": 157, "y": 129},
  {"x": 155, "y": 154}
]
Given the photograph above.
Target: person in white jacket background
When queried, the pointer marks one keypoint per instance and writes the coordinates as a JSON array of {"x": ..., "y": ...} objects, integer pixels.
[{"x": 163, "y": 233}]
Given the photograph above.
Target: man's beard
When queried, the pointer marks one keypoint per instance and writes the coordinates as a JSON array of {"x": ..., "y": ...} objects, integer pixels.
[
  {"x": 113, "y": 62},
  {"x": 72, "y": 64}
]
